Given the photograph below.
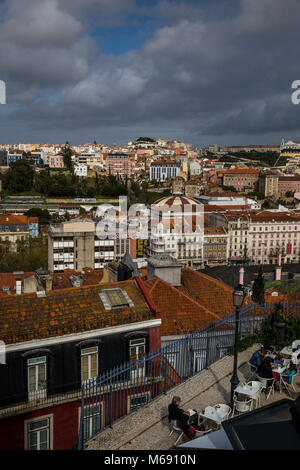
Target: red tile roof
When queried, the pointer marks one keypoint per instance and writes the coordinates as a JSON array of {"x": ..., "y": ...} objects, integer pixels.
[
  {"x": 197, "y": 303},
  {"x": 27, "y": 317},
  {"x": 89, "y": 277},
  {"x": 13, "y": 219}
]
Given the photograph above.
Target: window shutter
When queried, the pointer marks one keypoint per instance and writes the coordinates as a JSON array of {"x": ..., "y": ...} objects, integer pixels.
[
  {"x": 85, "y": 367},
  {"x": 93, "y": 371}
]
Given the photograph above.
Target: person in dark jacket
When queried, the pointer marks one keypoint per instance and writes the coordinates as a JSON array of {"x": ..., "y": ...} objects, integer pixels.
[
  {"x": 265, "y": 371},
  {"x": 181, "y": 416},
  {"x": 257, "y": 357}
]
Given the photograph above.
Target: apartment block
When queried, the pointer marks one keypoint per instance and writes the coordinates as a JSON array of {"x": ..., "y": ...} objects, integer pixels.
[
  {"x": 162, "y": 170},
  {"x": 119, "y": 164},
  {"x": 75, "y": 245},
  {"x": 274, "y": 235},
  {"x": 242, "y": 179},
  {"x": 14, "y": 228}
]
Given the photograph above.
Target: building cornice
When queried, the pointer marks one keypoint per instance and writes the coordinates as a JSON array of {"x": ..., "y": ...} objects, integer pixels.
[{"x": 82, "y": 336}]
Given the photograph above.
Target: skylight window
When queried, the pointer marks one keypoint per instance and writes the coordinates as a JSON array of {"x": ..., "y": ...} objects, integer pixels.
[{"x": 115, "y": 298}]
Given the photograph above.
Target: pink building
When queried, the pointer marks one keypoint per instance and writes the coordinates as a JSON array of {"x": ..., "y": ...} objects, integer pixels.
[
  {"x": 119, "y": 164},
  {"x": 56, "y": 161},
  {"x": 274, "y": 236},
  {"x": 288, "y": 184}
]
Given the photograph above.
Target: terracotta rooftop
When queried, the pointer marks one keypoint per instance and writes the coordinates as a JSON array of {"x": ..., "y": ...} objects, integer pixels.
[
  {"x": 89, "y": 277},
  {"x": 197, "y": 303},
  {"x": 13, "y": 219},
  {"x": 67, "y": 311},
  {"x": 8, "y": 282},
  {"x": 239, "y": 171},
  {"x": 276, "y": 216}
]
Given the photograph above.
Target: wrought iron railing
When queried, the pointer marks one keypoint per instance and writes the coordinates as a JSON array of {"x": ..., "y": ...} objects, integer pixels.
[{"x": 118, "y": 392}]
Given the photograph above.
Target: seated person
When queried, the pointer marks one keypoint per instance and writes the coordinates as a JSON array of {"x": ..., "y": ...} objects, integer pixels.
[
  {"x": 289, "y": 375},
  {"x": 279, "y": 359},
  {"x": 180, "y": 415},
  {"x": 264, "y": 370},
  {"x": 257, "y": 357}
]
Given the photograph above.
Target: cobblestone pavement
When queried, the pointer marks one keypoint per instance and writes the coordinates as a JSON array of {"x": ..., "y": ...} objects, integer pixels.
[{"x": 148, "y": 428}]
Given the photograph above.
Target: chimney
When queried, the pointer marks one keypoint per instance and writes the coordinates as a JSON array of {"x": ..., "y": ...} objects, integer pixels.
[
  {"x": 278, "y": 270},
  {"x": 241, "y": 281},
  {"x": 278, "y": 274},
  {"x": 165, "y": 267}
]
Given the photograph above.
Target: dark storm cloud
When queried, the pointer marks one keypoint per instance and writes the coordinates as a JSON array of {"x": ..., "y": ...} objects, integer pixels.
[{"x": 199, "y": 76}]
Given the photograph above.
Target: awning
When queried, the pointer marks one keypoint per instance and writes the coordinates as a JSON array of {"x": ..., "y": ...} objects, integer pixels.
[{"x": 213, "y": 440}]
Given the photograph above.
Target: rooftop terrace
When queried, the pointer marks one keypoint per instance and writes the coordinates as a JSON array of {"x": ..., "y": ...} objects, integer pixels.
[{"x": 148, "y": 428}]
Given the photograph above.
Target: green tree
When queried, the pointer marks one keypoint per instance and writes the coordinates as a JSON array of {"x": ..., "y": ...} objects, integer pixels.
[
  {"x": 42, "y": 214},
  {"x": 67, "y": 154},
  {"x": 258, "y": 289},
  {"x": 20, "y": 177}
]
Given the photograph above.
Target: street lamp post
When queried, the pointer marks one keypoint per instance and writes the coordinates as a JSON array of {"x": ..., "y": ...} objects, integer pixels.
[{"x": 238, "y": 299}]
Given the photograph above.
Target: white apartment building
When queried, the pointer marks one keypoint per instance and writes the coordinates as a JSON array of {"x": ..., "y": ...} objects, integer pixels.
[
  {"x": 80, "y": 169},
  {"x": 163, "y": 169}
]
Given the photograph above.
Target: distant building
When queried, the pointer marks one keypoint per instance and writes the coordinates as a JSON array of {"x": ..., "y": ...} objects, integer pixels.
[
  {"x": 56, "y": 161},
  {"x": 178, "y": 185},
  {"x": 118, "y": 164},
  {"x": 241, "y": 179},
  {"x": 162, "y": 170},
  {"x": 80, "y": 169},
  {"x": 74, "y": 245},
  {"x": 273, "y": 235},
  {"x": 14, "y": 228},
  {"x": 289, "y": 184},
  {"x": 268, "y": 184}
]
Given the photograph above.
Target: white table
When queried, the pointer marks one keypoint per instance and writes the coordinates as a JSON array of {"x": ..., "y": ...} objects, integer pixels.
[
  {"x": 214, "y": 414},
  {"x": 248, "y": 390},
  {"x": 280, "y": 370}
]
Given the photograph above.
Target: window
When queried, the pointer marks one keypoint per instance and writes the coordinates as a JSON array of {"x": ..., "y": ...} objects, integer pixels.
[
  {"x": 115, "y": 298},
  {"x": 37, "y": 384},
  {"x": 38, "y": 434},
  {"x": 89, "y": 363},
  {"x": 136, "y": 401},
  {"x": 91, "y": 420},
  {"x": 199, "y": 360},
  {"x": 137, "y": 349}
]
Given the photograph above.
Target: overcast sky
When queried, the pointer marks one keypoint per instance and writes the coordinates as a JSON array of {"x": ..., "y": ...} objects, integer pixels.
[{"x": 204, "y": 72}]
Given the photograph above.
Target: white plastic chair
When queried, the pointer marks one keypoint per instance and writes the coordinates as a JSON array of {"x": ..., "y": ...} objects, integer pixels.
[
  {"x": 252, "y": 371},
  {"x": 199, "y": 433},
  {"x": 265, "y": 381},
  {"x": 259, "y": 386},
  {"x": 241, "y": 406},
  {"x": 291, "y": 385},
  {"x": 176, "y": 428},
  {"x": 295, "y": 343},
  {"x": 224, "y": 408}
]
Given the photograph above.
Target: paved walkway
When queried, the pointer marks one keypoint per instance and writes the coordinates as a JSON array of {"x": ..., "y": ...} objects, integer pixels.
[{"x": 148, "y": 428}]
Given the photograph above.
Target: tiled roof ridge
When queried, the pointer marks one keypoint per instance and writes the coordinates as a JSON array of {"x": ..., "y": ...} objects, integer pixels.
[
  {"x": 157, "y": 279},
  {"x": 186, "y": 296},
  {"x": 208, "y": 278},
  {"x": 56, "y": 291}
]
